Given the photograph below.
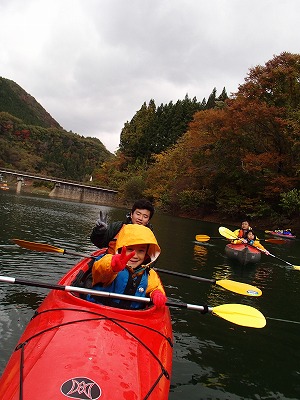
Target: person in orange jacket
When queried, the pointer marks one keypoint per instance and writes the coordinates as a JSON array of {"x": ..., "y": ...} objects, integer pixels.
[
  {"x": 128, "y": 271},
  {"x": 243, "y": 230}
]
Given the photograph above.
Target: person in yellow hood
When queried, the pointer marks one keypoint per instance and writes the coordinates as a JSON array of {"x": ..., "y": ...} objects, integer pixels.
[{"x": 128, "y": 270}]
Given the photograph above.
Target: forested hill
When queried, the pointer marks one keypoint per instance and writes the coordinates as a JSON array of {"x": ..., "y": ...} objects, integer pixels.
[
  {"x": 32, "y": 141},
  {"x": 17, "y": 102}
]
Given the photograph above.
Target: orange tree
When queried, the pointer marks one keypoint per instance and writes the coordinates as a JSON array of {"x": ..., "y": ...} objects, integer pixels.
[{"x": 238, "y": 159}]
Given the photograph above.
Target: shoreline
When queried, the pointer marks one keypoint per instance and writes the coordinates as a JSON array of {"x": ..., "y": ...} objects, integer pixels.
[{"x": 258, "y": 224}]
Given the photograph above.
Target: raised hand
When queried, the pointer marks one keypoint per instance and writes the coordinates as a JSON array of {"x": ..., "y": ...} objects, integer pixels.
[
  {"x": 119, "y": 261},
  {"x": 102, "y": 220}
]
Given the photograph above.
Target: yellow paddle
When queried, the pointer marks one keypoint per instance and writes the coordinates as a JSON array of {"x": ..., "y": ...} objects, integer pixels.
[
  {"x": 236, "y": 287},
  {"x": 231, "y": 235},
  {"x": 238, "y": 314},
  {"x": 241, "y": 314},
  {"x": 206, "y": 238}
]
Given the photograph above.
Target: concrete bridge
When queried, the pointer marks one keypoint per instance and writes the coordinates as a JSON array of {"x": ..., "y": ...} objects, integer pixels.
[{"x": 67, "y": 189}]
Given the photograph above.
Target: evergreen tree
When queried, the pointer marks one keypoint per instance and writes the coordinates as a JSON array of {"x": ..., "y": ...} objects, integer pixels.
[
  {"x": 152, "y": 130},
  {"x": 223, "y": 96},
  {"x": 211, "y": 102}
]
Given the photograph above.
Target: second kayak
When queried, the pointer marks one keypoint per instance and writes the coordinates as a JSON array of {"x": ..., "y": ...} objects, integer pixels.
[{"x": 243, "y": 253}]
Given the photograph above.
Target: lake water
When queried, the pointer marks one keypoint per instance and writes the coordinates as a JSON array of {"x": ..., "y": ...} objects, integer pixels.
[{"x": 213, "y": 358}]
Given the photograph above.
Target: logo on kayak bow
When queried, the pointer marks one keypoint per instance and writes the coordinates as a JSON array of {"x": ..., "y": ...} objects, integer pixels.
[{"x": 81, "y": 388}]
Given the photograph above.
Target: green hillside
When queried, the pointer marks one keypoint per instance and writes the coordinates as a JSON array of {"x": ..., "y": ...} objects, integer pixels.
[
  {"x": 32, "y": 141},
  {"x": 17, "y": 102}
]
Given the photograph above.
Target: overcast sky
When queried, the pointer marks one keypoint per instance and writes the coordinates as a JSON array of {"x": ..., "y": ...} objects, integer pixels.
[{"x": 93, "y": 63}]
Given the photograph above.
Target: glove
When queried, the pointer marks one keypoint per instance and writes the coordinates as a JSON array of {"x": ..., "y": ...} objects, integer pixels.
[
  {"x": 119, "y": 261},
  {"x": 267, "y": 253},
  {"x": 158, "y": 298},
  {"x": 102, "y": 220}
]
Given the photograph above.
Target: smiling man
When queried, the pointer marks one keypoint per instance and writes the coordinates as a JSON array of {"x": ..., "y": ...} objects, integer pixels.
[{"x": 105, "y": 235}]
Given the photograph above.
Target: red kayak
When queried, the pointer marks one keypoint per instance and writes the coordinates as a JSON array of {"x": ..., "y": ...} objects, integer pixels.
[
  {"x": 281, "y": 234},
  {"x": 75, "y": 349},
  {"x": 243, "y": 253}
]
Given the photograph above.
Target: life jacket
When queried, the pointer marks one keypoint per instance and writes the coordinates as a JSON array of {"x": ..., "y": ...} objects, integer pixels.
[
  {"x": 124, "y": 283},
  {"x": 127, "y": 281},
  {"x": 287, "y": 232},
  {"x": 241, "y": 234}
]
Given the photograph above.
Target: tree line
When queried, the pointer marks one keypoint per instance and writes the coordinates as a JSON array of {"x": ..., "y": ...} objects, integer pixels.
[{"x": 234, "y": 156}]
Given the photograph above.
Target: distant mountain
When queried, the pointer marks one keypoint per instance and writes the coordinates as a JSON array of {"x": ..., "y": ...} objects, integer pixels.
[
  {"x": 32, "y": 141},
  {"x": 17, "y": 102}
]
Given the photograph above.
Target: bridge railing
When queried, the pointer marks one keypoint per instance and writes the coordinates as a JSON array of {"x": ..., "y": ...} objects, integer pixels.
[{"x": 53, "y": 179}]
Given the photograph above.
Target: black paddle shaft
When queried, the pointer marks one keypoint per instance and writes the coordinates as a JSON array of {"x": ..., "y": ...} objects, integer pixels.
[{"x": 197, "y": 278}]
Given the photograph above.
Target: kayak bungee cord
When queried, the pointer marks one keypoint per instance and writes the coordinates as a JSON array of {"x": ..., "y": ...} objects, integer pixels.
[{"x": 100, "y": 317}]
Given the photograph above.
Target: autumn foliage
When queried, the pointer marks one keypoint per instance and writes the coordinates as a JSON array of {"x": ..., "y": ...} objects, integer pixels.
[{"x": 239, "y": 155}]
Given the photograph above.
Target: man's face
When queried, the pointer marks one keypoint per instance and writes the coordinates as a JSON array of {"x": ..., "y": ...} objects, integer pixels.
[
  {"x": 245, "y": 225},
  {"x": 140, "y": 217}
]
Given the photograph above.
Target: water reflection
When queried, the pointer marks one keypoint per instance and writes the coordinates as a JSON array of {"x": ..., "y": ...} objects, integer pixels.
[
  {"x": 200, "y": 254},
  {"x": 22, "y": 298}
]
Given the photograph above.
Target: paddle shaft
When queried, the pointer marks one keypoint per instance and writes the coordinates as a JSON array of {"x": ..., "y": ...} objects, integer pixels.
[
  {"x": 85, "y": 291},
  {"x": 73, "y": 253},
  {"x": 229, "y": 285},
  {"x": 272, "y": 255},
  {"x": 288, "y": 263},
  {"x": 196, "y": 278},
  {"x": 53, "y": 249},
  {"x": 49, "y": 248},
  {"x": 236, "y": 313},
  {"x": 269, "y": 254}
]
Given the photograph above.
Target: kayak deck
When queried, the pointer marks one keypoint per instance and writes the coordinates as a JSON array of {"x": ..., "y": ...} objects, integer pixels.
[{"x": 73, "y": 348}]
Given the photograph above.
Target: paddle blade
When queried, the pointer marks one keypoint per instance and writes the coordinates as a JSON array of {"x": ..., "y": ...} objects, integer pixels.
[
  {"x": 227, "y": 233},
  {"x": 240, "y": 314},
  {"x": 275, "y": 241},
  {"x": 297, "y": 267},
  {"x": 239, "y": 287},
  {"x": 37, "y": 246},
  {"x": 202, "y": 238}
]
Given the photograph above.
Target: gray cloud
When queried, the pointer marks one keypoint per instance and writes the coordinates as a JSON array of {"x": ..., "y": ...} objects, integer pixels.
[{"x": 91, "y": 64}]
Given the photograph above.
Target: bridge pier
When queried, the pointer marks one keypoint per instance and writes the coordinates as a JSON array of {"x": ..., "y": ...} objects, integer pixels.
[
  {"x": 82, "y": 194},
  {"x": 20, "y": 181}
]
